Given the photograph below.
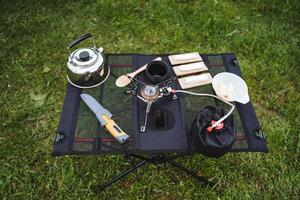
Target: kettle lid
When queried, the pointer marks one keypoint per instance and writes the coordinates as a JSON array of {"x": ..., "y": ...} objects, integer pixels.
[{"x": 86, "y": 57}]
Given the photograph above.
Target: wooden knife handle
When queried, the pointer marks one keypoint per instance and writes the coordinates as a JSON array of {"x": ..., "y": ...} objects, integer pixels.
[{"x": 114, "y": 129}]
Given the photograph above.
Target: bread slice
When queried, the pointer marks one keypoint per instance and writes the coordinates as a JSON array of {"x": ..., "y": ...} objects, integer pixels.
[
  {"x": 191, "y": 68},
  {"x": 195, "y": 80},
  {"x": 185, "y": 58}
]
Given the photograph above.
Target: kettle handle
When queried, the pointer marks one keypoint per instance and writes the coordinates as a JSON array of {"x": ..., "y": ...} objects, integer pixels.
[{"x": 80, "y": 39}]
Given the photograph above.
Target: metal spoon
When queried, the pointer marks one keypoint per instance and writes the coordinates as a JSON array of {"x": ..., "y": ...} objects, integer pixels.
[{"x": 123, "y": 80}]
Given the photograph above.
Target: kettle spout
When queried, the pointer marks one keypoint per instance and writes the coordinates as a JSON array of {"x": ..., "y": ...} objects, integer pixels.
[{"x": 100, "y": 50}]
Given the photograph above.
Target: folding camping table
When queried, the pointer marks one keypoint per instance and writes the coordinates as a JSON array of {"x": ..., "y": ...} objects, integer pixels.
[{"x": 79, "y": 133}]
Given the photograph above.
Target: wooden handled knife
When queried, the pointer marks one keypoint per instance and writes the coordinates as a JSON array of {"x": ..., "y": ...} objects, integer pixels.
[{"x": 104, "y": 117}]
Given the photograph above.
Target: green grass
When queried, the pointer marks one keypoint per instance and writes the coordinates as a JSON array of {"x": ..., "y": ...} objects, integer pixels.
[{"x": 33, "y": 38}]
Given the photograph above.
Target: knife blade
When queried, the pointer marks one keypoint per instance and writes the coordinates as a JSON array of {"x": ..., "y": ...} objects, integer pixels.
[{"x": 104, "y": 117}]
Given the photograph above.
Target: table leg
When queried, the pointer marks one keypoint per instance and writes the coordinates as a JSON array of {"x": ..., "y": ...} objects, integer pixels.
[
  {"x": 107, "y": 184},
  {"x": 190, "y": 172}
]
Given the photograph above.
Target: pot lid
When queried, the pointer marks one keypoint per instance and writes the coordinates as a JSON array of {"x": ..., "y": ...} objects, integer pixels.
[
  {"x": 86, "y": 57},
  {"x": 85, "y": 60}
]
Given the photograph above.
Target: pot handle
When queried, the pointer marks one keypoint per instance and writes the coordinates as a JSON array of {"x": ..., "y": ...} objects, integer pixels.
[{"x": 78, "y": 40}]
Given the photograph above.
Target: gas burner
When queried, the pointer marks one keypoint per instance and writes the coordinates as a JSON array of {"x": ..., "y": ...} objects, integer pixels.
[{"x": 149, "y": 92}]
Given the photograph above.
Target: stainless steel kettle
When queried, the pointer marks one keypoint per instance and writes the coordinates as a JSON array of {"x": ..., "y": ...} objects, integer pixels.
[{"x": 86, "y": 66}]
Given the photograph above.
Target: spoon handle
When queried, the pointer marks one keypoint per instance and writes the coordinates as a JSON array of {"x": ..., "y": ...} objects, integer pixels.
[{"x": 139, "y": 70}]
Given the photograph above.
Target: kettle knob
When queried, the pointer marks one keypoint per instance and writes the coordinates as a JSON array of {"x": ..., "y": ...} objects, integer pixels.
[{"x": 84, "y": 56}]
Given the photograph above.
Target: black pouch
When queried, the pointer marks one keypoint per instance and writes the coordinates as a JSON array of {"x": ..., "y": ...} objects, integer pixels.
[{"x": 217, "y": 142}]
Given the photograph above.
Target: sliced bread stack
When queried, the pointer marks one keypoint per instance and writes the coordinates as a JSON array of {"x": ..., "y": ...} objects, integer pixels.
[{"x": 190, "y": 70}]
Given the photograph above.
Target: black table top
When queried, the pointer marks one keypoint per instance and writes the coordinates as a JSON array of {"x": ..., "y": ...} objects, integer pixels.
[{"x": 79, "y": 132}]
